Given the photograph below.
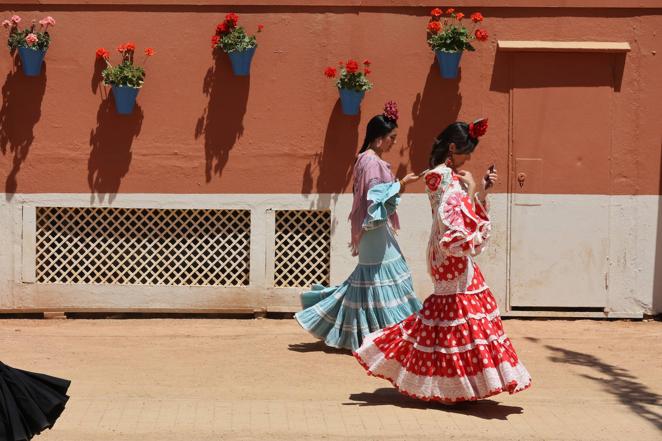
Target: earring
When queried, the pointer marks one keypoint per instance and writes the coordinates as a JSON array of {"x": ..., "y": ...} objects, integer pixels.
[{"x": 449, "y": 161}]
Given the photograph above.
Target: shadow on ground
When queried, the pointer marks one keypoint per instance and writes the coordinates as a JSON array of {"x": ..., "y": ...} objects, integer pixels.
[
  {"x": 317, "y": 346},
  {"x": 616, "y": 381},
  {"x": 485, "y": 409}
]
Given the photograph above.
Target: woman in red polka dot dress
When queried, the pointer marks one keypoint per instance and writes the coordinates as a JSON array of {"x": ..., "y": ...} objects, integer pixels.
[{"x": 453, "y": 349}]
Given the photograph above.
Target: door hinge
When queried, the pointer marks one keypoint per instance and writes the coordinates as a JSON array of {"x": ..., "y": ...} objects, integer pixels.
[{"x": 606, "y": 281}]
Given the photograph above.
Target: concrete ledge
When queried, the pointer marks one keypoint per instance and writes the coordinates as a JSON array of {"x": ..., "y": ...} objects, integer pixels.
[{"x": 562, "y": 46}]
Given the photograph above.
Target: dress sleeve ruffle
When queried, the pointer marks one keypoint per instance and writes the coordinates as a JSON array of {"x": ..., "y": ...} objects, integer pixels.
[
  {"x": 467, "y": 229},
  {"x": 384, "y": 199}
]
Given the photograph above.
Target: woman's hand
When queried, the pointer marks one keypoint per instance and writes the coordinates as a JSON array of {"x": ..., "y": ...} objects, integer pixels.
[
  {"x": 491, "y": 178},
  {"x": 411, "y": 177},
  {"x": 468, "y": 180}
]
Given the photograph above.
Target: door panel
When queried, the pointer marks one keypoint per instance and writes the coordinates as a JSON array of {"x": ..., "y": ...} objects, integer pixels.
[{"x": 561, "y": 142}]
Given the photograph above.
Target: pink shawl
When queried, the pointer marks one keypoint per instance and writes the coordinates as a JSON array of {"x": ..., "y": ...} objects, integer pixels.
[{"x": 369, "y": 170}]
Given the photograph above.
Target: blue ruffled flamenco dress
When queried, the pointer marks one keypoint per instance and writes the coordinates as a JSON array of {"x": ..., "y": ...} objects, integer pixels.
[{"x": 378, "y": 293}]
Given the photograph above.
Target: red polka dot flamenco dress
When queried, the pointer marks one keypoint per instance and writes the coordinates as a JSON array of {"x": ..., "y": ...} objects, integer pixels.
[{"x": 453, "y": 349}]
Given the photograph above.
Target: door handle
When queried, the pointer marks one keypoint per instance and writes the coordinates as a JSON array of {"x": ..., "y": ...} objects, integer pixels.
[{"x": 521, "y": 177}]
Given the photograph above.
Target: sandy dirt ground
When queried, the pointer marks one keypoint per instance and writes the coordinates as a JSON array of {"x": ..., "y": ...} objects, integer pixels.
[{"x": 190, "y": 379}]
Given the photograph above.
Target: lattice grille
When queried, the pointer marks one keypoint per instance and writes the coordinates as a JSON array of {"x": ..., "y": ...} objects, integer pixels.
[
  {"x": 138, "y": 246},
  {"x": 303, "y": 248}
]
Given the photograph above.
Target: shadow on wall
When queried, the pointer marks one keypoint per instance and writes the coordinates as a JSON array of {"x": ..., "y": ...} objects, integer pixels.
[
  {"x": 222, "y": 122},
  {"x": 111, "y": 152},
  {"x": 329, "y": 172},
  {"x": 20, "y": 112},
  {"x": 616, "y": 381},
  {"x": 437, "y": 106}
]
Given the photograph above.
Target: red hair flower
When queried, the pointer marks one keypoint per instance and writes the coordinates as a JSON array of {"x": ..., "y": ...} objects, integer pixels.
[
  {"x": 330, "y": 72},
  {"x": 432, "y": 180},
  {"x": 102, "y": 53},
  {"x": 459, "y": 16},
  {"x": 478, "y": 128},
  {"x": 391, "y": 111},
  {"x": 434, "y": 27},
  {"x": 352, "y": 66},
  {"x": 481, "y": 34},
  {"x": 149, "y": 51},
  {"x": 476, "y": 17},
  {"x": 436, "y": 12}
]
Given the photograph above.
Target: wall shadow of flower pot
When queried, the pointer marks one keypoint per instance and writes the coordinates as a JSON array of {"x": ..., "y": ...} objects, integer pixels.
[
  {"x": 19, "y": 114},
  {"x": 434, "y": 108},
  {"x": 222, "y": 121},
  {"x": 330, "y": 170},
  {"x": 111, "y": 153}
]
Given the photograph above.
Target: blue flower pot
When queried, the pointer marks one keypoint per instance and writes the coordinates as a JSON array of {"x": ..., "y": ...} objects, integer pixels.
[
  {"x": 449, "y": 63},
  {"x": 241, "y": 61},
  {"x": 31, "y": 60},
  {"x": 351, "y": 101},
  {"x": 125, "y": 98}
]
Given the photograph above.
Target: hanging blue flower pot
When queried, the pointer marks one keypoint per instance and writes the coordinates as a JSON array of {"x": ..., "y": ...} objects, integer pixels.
[
  {"x": 449, "y": 63},
  {"x": 241, "y": 61},
  {"x": 31, "y": 60},
  {"x": 350, "y": 101},
  {"x": 125, "y": 98}
]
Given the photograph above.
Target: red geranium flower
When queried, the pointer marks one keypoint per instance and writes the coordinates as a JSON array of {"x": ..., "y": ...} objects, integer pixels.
[
  {"x": 260, "y": 27},
  {"x": 367, "y": 71},
  {"x": 434, "y": 27},
  {"x": 436, "y": 12},
  {"x": 367, "y": 62},
  {"x": 149, "y": 51},
  {"x": 232, "y": 19},
  {"x": 481, "y": 34},
  {"x": 330, "y": 72},
  {"x": 450, "y": 11},
  {"x": 121, "y": 48},
  {"x": 476, "y": 17},
  {"x": 459, "y": 16},
  {"x": 352, "y": 66},
  {"x": 222, "y": 28},
  {"x": 102, "y": 53},
  {"x": 130, "y": 47},
  {"x": 214, "y": 41},
  {"x": 432, "y": 180}
]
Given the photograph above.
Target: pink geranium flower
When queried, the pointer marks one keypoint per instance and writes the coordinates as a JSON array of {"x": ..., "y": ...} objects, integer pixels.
[
  {"x": 15, "y": 19},
  {"x": 48, "y": 21},
  {"x": 7, "y": 24},
  {"x": 31, "y": 39}
]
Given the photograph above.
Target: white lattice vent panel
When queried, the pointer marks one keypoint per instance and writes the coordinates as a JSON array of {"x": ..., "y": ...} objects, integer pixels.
[
  {"x": 139, "y": 246},
  {"x": 303, "y": 248}
]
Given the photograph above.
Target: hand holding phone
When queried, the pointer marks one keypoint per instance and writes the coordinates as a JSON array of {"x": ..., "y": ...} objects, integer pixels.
[{"x": 488, "y": 182}]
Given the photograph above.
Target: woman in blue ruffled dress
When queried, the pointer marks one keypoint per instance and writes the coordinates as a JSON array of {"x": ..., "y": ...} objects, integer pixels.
[{"x": 379, "y": 292}]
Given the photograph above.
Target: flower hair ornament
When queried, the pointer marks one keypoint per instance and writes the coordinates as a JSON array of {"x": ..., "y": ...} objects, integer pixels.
[
  {"x": 478, "y": 128},
  {"x": 391, "y": 111}
]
